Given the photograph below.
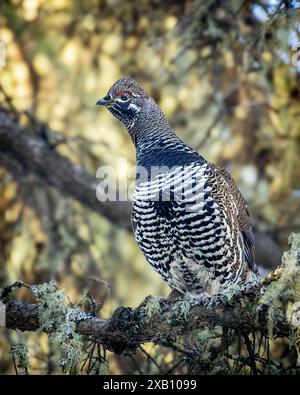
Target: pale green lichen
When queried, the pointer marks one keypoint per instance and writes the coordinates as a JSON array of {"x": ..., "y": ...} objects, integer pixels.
[
  {"x": 283, "y": 295},
  {"x": 182, "y": 308},
  {"x": 231, "y": 291},
  {"x": 19, "y": 353},
  {"x": 52, "y": 308},
  {"x": 152, "y": 307},
  {"x": 59, "y": 321},
  {"x": 202, "y": 342}
]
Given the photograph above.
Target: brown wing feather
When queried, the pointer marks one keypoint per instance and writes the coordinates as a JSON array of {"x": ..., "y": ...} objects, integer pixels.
[{"x": 226, "y": 182}]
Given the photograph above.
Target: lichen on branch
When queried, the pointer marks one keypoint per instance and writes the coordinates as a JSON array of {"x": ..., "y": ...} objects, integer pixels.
[{"x": 266, "y": 309}]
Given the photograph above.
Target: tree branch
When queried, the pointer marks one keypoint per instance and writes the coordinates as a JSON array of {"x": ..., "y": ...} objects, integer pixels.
[
  {"x": 268, "y": 305},
  {"x": 157, "y": 320},
  {"x": 24, "y": 152}
]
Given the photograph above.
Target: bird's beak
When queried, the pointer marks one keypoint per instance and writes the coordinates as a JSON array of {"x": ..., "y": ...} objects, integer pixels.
[{"x": 105, "y": 101}]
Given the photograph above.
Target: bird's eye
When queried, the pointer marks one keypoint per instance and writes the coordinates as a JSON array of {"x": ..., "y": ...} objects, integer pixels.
[{"x": 124, "y": 97}]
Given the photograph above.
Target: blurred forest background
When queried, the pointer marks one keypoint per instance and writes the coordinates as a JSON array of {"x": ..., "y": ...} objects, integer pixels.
[{"x": 222, "y": 71}]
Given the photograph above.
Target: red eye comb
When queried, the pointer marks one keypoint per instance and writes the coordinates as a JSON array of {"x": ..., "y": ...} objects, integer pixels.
[{"x": 121, "y": 93}]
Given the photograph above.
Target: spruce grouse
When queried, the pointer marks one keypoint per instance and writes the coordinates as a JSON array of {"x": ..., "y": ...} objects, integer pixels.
[{"x": 189, "y": 218}]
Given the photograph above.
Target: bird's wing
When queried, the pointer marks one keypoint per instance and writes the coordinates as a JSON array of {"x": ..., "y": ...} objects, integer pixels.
[{"x": 227, "y": 189}]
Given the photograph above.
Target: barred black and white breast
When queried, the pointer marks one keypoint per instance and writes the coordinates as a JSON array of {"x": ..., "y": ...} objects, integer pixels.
[
  {"x": 189, "y": 218},
  {"x": 200, "y": 239}
]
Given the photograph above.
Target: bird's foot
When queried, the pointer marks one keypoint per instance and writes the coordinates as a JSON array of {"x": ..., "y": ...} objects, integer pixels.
[{"x": 175, "y": 295}]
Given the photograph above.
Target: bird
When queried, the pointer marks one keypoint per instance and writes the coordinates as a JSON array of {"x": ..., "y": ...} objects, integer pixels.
[{"x": 189, "y": 218}]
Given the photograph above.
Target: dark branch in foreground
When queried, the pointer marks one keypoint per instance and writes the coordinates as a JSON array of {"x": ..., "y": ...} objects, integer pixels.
[
  {"x": 24, "y": 152},
  {"x": 268, "y": 307},
  {"x": 157, "y": 320}
]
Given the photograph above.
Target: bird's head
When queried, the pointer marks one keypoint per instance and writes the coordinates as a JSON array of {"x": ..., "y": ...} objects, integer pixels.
[{"x": 125, "y": 100}]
